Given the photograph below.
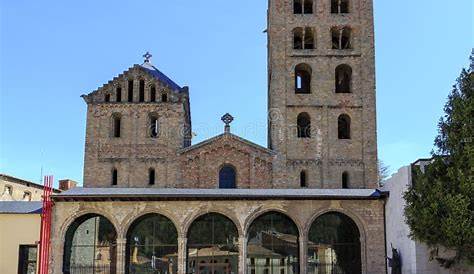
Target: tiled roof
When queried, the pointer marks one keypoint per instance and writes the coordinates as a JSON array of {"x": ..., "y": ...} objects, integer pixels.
[
  {"x": 20, "y": 207},
  {"x": 168, "y": 193},
  {"x": 152, "y": 70}
]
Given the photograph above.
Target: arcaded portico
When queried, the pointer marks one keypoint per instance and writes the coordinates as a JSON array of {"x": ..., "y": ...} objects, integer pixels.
[{"x": 217, "y": 231}]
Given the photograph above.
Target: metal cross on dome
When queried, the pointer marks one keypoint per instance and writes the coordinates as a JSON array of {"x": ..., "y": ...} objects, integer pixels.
[
  {"x": 227, "y": 119},
  {"x": 147, "y": 57}
]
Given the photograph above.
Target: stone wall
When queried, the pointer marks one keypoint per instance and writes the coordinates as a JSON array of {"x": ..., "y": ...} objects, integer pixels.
[{"x": 367, "y": 214}]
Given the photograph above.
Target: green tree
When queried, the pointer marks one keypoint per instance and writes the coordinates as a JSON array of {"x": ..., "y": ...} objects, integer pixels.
[{"x": 439, "y": 207}]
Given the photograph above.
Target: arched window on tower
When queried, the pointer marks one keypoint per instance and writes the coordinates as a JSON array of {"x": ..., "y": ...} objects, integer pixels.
[
  {"x": 341, "y": 38},
  {"x": 297, "y": 6},
  {"x": 154, "y": 126},
  {"x": 117, "y": 125},
  {"x": 344, "y": 127},
  {"x": 303, "y": 179},
  {"x": 345, "y": 180},
  {"x": 343, "y": 79},
  {"x": 164, "y": 97},
  {"x": 152, "y": 94},
  {"x": 114, "y": 177},
  {"x": 308, "y": 7},
  {"x": 151, "y": 176},
  {"x": 227, "y": 177},
  {"x": 302, "y": 6},
  {"x": 308, "y": 38},
  {"x": 130, "y": 91},
  {"x": 303, "y": 79},
  {"x": 339, "y": 6},
  {"x": 304, "y": 125},
  {"x": 118, "y": 95},
  {"x": 141, "y": 93},
  {"x": 298, "y": 38}
]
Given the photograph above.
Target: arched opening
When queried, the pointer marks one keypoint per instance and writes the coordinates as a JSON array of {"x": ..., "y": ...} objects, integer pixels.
[
  {"x": 303, "y": 79},
  {"x": 118, "y": 95},
  {"x": 303, "y": 179},
  {"x": 334, "y": 245},
  {"x": 273, "y": 245},
  {"x": 164, "y": 98},
  {"x": 90, "y": 246},
  {"x": 114, "y": 177},
  {"x": 130, "y": 91},
  {"x": 298, "y": 38},
  {"x": 343, "y": 79},
  {"x": 345, "y": 180},
  {"x": 107, "y": 97},
  {"x": 308, "y": 7},
  {"x": 304, "y": 125},
  {"x": 213, "y": 245},
  {"x": 153, "y": 94},
  {"x": 154, "y": 126},
  {"x": 117, "y": 125},
  {"x": 141, "y": 91},
  {"x": 302, "y": 6},
  {"x": 152, "y": 246},
  {"x": 151, "y": 176},
  {"x": 341, "y": 38},
  {"x": 308, "y": 38},
  {"x": 339, "y": 6},
  {"x": 344, "y": 127},
  {"x": 297, "y": 6},
  {"x": 227, "y": 177}
]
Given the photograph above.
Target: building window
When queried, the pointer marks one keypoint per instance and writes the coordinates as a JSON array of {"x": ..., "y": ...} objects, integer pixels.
[
  {"x": 118, "y": 95},
  {"x": 303, "y": 182},
  {"x": 341, "y": 38},
  {"x": 303, "y": 79},
  {"x": 152, "y": 94},
  {"x": 302, "y": 6},
  {"x": 27, "y": 196},
  {"x": 343, "y": 79},
  {"x": 345, "y": 180},
  {"x": 339, "y": 6},
  {"x": 304, "y": 125},
  {"x": 308, "y": 38},
  {"x": 8, "y": 190},
  {"x": 303, "y": 38},
  {"x": 107, "y": 97},
  {"x": 114, "y": 177},
  {"x": 151, "y": 176},
  {"x": 273, "y": 238},
  {"x": 334, "y": 239},
  {"x": 297, "y": 6},
  {"x": 117, "y": 125},
  {"x": 227, "y": 177},
  {"x": 27, "y": 259},
  {"x": 164, "y": 98},
  {"x": 90, "y": 246},
  {"x": 130, "y": 91},
  {"x": 298, "y": 38},
  {"x": 211, "y": 238},
  {"x": 154, "y": 126},
  {"x": 344, "y": 127},
  {"x": 141, "y": 91},
  {"x": 151, "y": 242}
]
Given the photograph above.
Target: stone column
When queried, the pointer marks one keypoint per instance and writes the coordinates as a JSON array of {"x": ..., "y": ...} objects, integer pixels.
[
  {"x": 303, "y": 254},
  {"x": 182, "y": 243},
  {"x": 121, "y": 245},
  {"x": 242, "y": 254}
]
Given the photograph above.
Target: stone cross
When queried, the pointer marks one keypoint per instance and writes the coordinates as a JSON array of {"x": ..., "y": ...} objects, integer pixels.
[
  {"x": 147, "y": 57},
  {"x": 227, "y": 119}
]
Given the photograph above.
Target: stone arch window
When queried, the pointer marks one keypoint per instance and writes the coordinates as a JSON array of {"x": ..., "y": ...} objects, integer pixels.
[
  {"x": 26, "y": 196},
  {"x": 152, "y": 94},
  {"x": 341, "y": 38},
  {"x": 304, "y": 125},
  {"x": 227, "y": 177},
  {"x": 118, "y": 94},
  {"x": 90, "y": 246},
  {"x": 334, "y": 243},
  {"x": 303, "y": 79},
  {"x": 164, "y": 97},
  {"x": 213, "y": 245},
  {"x": 141, "y": 91},
  {"x": 114, "y": 177},
  {"x": 298, "y": 38},
  {"x": 303, "y": 179},
  {"x": 152, "y": 246},
  {"x": 116, "y": 125},
  {"x": 151, "y": 176},
  {"x": 303, "y": 38},
  {"x": 343, "y": 79},
  {"x": 339, "y": 6},
  {"x": 345, "y": 180},
  {"x": 8, "y": 190},
  {"x": 130, "y": 91},
  {"x": 107, "y": 97},
  {"x": 344, "y": 127},
  {"x": 273, "y": 245},
  {"x": 154, "y": 126},
  {"x": 302, "y": 6}
]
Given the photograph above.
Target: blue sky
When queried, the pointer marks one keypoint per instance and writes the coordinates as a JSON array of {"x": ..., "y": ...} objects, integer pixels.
[{"x": 51, "y": 52}]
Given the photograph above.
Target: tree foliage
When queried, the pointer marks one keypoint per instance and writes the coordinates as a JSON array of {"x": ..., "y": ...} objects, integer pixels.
[{"x": 439, "y": 207}]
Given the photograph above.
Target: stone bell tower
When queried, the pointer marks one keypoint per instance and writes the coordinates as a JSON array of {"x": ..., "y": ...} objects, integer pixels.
[{"x": 321, "y": 93}]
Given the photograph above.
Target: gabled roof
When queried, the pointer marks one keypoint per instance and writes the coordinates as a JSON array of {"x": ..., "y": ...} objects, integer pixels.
[
  {"x": 227, "y": 135},
  {"x": 12, "y": 179}
]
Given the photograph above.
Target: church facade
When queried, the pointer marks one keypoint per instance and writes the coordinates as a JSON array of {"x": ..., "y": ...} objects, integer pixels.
[{"x": 153, "y": 202}]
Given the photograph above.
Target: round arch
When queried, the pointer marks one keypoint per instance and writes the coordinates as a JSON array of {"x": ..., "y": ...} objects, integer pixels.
[
  {"x": 133, "y": 217},
  {"x": 90, "y": 245},
  {"x": 227, "y": 175}
]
